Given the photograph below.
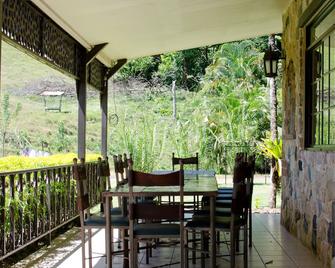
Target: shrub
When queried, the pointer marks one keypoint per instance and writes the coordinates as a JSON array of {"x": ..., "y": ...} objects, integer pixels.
[{"x": 12, "y": 163}]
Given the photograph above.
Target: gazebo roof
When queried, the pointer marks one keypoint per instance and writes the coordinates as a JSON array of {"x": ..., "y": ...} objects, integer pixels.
[{"x": 136, "y": 28}]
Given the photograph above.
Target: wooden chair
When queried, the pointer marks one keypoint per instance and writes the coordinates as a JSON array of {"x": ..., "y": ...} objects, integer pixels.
[
  {"x": 233, "y": 223},
  {"x": 148, "y": 221},
  {"x": 194, "y": 160},
  {"x": 243, "y": 173},
  {"x": 246, "y": 171},
  {"x": 88, "y": 220}
]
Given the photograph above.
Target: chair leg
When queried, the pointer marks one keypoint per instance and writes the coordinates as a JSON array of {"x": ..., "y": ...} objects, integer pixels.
[
  {"x": 119, "y": 242},
  {"x": 218, "y": 238},
  {"x": 136, "y": 250},
  {"x": 250, "y": 227},
  {"x": 83, "y": 257},
  {"x": 232, "y": 247},
  {"x": 126, "y": 254},
  {"x": 238, "y": 240},
  {"x": 245, "y": 246},
  {"x": 147, "y": 253},
  {"x": 90, "y": 247},
  {"x": 203, "y": 255},
  {"x": 194, "y": 255},
  {"x": 112, "y": 245},
  {"x": 131, "y": 252},
  {"x": 182, "y": 250},
  {"x": 186, "y": 249}
]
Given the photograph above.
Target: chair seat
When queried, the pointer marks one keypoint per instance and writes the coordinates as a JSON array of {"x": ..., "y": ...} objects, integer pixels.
[
  {"x": 116, "y": 211},
  {"x": 223, "y": 203},
  {"x": 220, "y": 223},
  {"x": 220, "y": 212},
  {"x": 224, "y": 196},
  {"x": 225, "y": 190},
  {"x": 156, "y": 229},
  {"x": 100, "y": 221}
]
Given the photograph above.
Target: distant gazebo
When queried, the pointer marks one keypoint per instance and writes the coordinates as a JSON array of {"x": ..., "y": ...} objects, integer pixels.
[{"x": 52, "y": 100}]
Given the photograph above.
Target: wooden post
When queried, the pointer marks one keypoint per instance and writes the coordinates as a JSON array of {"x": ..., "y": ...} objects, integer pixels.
[
  {"x": 104, "y": 119},
  {"x": 81, "y": 85},
  {"x": 174, "y": 104},
  {"x": 1, "y": 3}
]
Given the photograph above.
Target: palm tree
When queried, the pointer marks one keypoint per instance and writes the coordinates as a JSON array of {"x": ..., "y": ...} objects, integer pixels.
[
  {"x": 238, "y": 106},
  {"x": 274, "y": 177}
]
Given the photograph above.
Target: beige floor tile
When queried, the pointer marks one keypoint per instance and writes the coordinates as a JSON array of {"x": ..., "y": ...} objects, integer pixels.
[{"x": 279, "y": 247}]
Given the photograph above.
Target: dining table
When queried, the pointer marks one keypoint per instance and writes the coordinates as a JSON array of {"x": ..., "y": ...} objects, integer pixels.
[{"x": 196, "y": 183}]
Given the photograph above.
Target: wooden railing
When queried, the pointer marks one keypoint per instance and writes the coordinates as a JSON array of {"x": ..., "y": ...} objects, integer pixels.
[{"x": 34, "y": 203}]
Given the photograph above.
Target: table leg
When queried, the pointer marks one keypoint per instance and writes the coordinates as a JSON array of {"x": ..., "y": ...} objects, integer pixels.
[
  {"x": 212, "y": 231},
  {"x": 108, "y": 232}
]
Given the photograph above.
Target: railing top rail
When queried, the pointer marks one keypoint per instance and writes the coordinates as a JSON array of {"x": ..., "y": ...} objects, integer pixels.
[{"x": 23, "y": 171}]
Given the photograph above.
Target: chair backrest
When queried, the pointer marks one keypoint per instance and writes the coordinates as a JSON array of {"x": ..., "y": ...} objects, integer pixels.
[
  {"x": 194, "y": 160},
  {"x": 243, "y": 183},
  {"x": 103, "y": 173},
  {"x": 240, "y": 199},
  {"x": 152, "y": 211},
  {"x": 250, "y": 178},
  {"x": 121, "y": 168},
  {"x": 244, "y": 167},
  {"x": 79, "y": 174}
]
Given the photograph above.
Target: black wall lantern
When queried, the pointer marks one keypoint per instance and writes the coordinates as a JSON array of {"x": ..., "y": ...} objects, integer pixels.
[{"x": 271, "y": 58}]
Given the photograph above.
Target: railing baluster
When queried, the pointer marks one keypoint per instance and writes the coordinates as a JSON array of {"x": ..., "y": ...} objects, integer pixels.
[
  {"x": 66, "y": 193},
  {"x": 12, "y": 210},
  {"x": 42, "y": 201},
  {"x": 54, "y": 199},
  {"x": 21, "y": 216},
  {"x": 35, "y": 208},
  {"x": 28, "y": 185},
  {"x": 96, "y": 184},
  {"x": 48, "y": 189},
  {"x": 73, "y": 195},
  {"x": 3, "y": 215},
  {"x": 60, "y": 194}
]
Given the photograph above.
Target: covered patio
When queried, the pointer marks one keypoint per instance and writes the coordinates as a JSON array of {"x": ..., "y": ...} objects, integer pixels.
[
  {"x": 273, "y": 246},
  {"x": 91, "y": 40}
]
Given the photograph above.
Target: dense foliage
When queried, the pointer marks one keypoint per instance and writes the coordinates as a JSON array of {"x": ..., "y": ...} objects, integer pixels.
[
  {"x": 228, "y": 113},
  {"x": 222, "y": 108},
  {"x": 186, "y": 67}
]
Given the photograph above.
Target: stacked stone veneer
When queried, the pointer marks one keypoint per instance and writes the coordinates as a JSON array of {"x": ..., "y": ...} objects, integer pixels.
[{"x": 308, "y": 182}]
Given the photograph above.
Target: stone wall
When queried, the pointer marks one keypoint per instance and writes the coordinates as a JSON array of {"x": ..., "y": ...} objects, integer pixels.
[{"x": 308, "y": 193}]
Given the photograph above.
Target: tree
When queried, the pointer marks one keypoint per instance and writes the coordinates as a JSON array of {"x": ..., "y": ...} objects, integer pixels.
[
  {"x": 187, "y": 67},
  {"x": 236, "y": 110}
]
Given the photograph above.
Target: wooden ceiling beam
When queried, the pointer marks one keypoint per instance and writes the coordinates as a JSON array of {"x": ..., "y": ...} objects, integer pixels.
[
  {"x": 115, "y": 68},
  {"x": 94, "y": 52}
]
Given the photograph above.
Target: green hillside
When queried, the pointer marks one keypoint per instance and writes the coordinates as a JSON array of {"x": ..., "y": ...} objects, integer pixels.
[{"x": 19, "y": 69}]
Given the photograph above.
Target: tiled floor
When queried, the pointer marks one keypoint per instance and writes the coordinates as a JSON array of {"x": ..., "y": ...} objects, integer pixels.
[{"x": 273, "y": 246}]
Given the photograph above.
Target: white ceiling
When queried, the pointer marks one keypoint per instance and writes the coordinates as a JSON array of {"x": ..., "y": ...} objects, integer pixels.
[{"x": 136, "y": 28}]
